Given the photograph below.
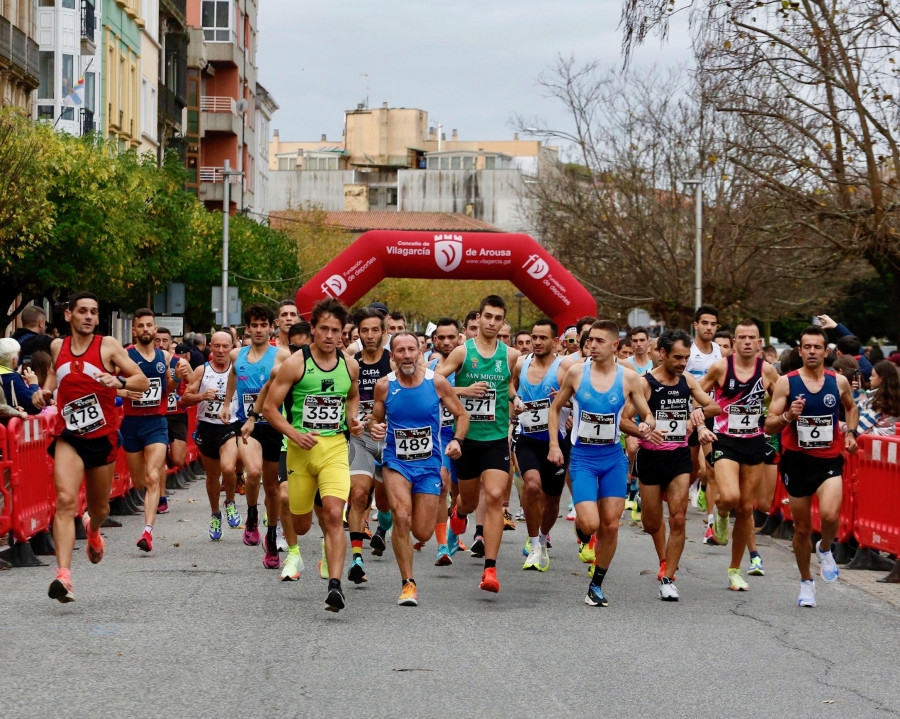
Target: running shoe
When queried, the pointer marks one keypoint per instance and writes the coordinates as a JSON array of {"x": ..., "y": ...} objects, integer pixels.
[
  {"x": 667, "y": 590},
  {"x": 280, "y": 542},
  {"x": 534, "y": 558},
  {"x": 323, "y": 563},
  {"x": 710, "y": 536},
  {"x": 163, "y": 506},
  {"x": 489, "y": 581},
  {"x": 701, "y": 500},
  {"x": 94, "y": 554},
  {"x": 462, "y": 547},
  {"x": 630, "y": 503},
  {"x": 458, "y": 524},
  {"x": 736, "y": 581},
  {"x": 145, "y": 543},
  {"x": 232, "y": 515},
  {"x": 215, "y": 528},
  {"x": 526, "y": 550},
  {"x": 720, "y": 527},
  {"x": 409, "y": 596},
  {"x": 478, "y": 547},
  {"x": 443, "y": 557},
  {"x": 61, "y": 589},
  {"x": 756, "y": 567},
  {"x": 586, "y": 551},
  {"x": 595, "y": 597},
  {"x": 357, "y": 571},
  {"x": 692, "y": 496},
  {"x": 377, "y": 543},
  {"x": 544, "y": 562},
  {"x": 636, "y": 510},
  {"x": 271, "y": 560},
  {"x": 807, "y": 596},
  {"x": 828, "y": 568},
  {"x": 570, "y": 516},
  {"x": 251, "y": 532},
  {"x": 293, "y": 565},
  {"x": 239, "y": 485},
  {"x": 508, "y": 523},
  {"x": 520, "y": 515},
  {"x": 549, "y": 543},
  {"x": 334, "y": 601},
  {"x": 266, "y": 520},
  {"x": 452, "y": 542},
  {"x": 367, "y": 530},
  {"x": 419, "y": 546}
]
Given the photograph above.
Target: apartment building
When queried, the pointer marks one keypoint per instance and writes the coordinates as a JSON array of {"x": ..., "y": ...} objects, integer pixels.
[
  {"x": 172, "y": 84},
  {"x": 121, "y": 73},
  {"x": 265, "y": 108},
  {"x": 19, "y": 54},
  {"x": 222, "y": 106}
]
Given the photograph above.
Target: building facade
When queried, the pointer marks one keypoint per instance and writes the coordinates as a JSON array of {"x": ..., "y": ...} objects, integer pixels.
[
  {"x": 172, "y": 85},
  {"x": 19, "y": 54},
  {"x": 148, "y": 23},
  {"x": 120, "y": 69},
  {"x": 265, "y": 108}
]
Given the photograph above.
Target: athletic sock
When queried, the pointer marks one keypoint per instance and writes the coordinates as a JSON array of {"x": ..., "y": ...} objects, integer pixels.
[
  {"x": 252, "y": 513},
  {"x": 542, "y": 538},
  {"x": 271, "y": 534},
  {"x": 535, "y": 541},
  {"x": 62, "y": 573},
  {"x": 409, "y": 581},
  {"x": 710, "y": 519},
  {"x": 334, "y": 584},
  {"x": 294, "y": 549},
  {"x": 754, "y": 554},
  {"x": 148, "y": 528},
  {"x": 385, "y": 521},
  {"x": 582, "y": 537},
  {"x": 440, "y": 532},
  {"x": 479, "y": 530},
  {"x": 356, "y": 542},
  {"x": 489, "y": 563},
  {"x": 599, "y": 574}
]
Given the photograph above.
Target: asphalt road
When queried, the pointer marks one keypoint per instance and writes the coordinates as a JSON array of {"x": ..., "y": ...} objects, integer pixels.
[{"x": 197, "y": 629}]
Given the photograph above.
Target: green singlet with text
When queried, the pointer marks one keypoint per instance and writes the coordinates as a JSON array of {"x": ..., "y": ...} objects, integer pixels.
[
  {"x": 316, "y": 403},
  {"x": 488, "y": 415}
]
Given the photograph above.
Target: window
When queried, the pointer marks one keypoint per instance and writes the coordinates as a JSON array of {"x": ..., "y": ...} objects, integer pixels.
[
  {"x": 68, "y": 4},
  {"x": 468, "y": 163},
  {"x": 285, "y": 163},
  {"x": 454, "y": 163},
  {"x": 47, "y": 3},
  {"x": 68, "y": 113},
  {"x": 68, "y": 72},
  {"x": 89, "y": 90},
  {"x": 216, "y": 20},
  {"x": 445, "y": 163},
  {"x": 45, "y": 112},
  {"x": 391, "y": 196},
  {"x": 489, "y": 162},
  {"x": 47, "y": 73}
]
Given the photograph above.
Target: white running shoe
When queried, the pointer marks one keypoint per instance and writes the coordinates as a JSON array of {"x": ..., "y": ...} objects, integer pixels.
[
  {"x": 293, "y": 565},
  {"x": 668, "y": 592},
  {"x": 520, "y": 515},
  {"x": 828, "y": 567},
  {"x": 544, "y": 562},
  {"x": 534, "y": 558},
  {"x": 807, "y": 596},
  {"x": 692, "y": 496}
]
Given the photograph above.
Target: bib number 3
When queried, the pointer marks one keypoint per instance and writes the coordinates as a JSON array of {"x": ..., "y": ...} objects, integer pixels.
[{"x": 323, "y": 412}]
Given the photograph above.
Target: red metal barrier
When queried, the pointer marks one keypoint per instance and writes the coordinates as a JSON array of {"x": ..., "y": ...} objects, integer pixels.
[
  {"x": 31, "y": 479},
  {"x": 780, "y": 502},
  {"x": 192, "y": 452},
  {"x": 6, "y": 468},
  {"x": 877, "y": 513},
  {"x": 121, "y": 482}
]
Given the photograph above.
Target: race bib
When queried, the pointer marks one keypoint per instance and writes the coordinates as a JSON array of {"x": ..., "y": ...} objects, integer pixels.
[
  {"x": 413, "y": 444},
  {"x": 674, "y": 422},
  {"x": 482, "y": 409},
  {"x": 536, "y": 416},
  {"x": 815, "y": 432},
  {"x": 152, "y": 396},
  {"x": 248, "y": 399},
  {"x": 172, "y": 404},
  {"x": 214, "y": 406},
  {"x": 447, "y": 417},
  {"x": 744, "y": 419},
  {"x": 597, "y": 428},
  {"x": 323, "y": 412},
  {"x": 84, "y": 415},
  {"x": 366, "y": 407}
]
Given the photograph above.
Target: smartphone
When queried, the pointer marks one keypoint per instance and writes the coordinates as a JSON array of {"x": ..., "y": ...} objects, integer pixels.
[
  {"x": 26, "y": 362},
  {"x": 816, "y": 321}
]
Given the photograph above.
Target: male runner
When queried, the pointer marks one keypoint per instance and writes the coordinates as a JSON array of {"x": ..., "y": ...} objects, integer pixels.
[
  {"x": 642, "y": 363},
  {"x": 176, "y": 415},
  {"x": 523, "y": 342},
  {"x": 394, "y": 322},
  {"x": 407, "y": 412},
  {"x": 704, "y": 352},
  {"x": 487, "y": 365},
  {"x": 537, "y": 379},
  {"x": 598, "y": 466},
  {"x": 505, "y": 334},
  {"x": 145, "y": 431},
  {"x": 470, "y": 325},
  {"x": 87, "y": 370},
  {"x": 663, "y": 461},
  {"x": 319, "y": 390},
  {"x": 725, "y": 340},
  {"x": 287, "y": 316},
  {"x": 214, "y": 437},
  {"x": 259, "y": 446},
  {"x": 625, "y": 352},
  {"x": 741, "y": 383},
  {"x": 347, "y": 334},
  {"x": 804, "y": 409},
  {"x": 365, "y": 452}
]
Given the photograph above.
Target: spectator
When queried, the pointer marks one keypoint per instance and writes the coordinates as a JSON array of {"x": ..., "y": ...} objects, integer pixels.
[
  {"x": 880, "y": 411},
  {"x": 33, "y": 341},
  {"x": 791, "y": 362},
  {"x": 874, "y": 354},
  {"x": 22, "y": 390},
  {"x": 198, "y": 351},
  {"x": 7, "y": 411},
  {"x": 848, "y": 344},
  {"x": 770, "y": 354}
]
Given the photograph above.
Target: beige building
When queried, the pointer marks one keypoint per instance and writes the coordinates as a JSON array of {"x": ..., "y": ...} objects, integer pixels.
[
  {"x": 19, "y": 54},
  {"x": 149, "y": 68}
]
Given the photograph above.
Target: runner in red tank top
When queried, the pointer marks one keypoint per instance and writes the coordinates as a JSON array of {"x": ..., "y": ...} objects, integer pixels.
[{"x": 89, "y": 369}]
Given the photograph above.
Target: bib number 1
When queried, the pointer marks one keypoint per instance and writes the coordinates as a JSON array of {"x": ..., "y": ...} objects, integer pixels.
[{"x": 596, "y": 428}]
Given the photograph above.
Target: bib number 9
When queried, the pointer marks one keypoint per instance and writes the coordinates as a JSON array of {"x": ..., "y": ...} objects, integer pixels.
[{"x": 674, "y": 422}]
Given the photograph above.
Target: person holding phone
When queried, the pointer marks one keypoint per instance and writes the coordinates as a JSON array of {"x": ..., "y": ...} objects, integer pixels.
[{"x": 20, "y": 387}]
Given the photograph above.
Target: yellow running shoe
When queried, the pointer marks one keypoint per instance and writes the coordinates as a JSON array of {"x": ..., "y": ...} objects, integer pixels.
[
  {"x": 586, "y": 551},
  {"x": 323, "y": 562},
  {"x": 409, "y": 596}
]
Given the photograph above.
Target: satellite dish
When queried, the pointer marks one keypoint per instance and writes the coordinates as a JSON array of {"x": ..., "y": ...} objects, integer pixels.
[{"x": 241, "y": 105}]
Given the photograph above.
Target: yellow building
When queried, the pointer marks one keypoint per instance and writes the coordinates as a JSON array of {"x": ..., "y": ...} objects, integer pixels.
[
  {"x": 121, "y": 72},
  {"x": 19, "y": 54}
]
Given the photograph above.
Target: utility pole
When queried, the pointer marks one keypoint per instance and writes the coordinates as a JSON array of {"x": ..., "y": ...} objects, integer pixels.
[
  {"x": 698, "y": 242},
  {"x": 227, "y": 174}
]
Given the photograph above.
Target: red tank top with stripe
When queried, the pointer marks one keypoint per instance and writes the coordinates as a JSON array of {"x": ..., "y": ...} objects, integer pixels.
[
  {"x": 743, "y": 411},
  {"x": 86, "y": 407}
]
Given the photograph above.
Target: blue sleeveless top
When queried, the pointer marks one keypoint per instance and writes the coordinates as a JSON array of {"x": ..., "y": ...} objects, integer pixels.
[
  {"x": 533, "y": 421},
  {"x": 251, "y": 376},
  {"x": 447, "y": 419},
  {"x": 596, "y": 415},
  {"x": 413, "y": 425}
]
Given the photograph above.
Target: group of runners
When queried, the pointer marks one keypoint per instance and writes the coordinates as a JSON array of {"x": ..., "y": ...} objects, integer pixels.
[{"x": 344, "y": 410}]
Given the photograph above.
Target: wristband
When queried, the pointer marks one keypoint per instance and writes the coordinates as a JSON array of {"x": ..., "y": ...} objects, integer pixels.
[
  {"x": 785, "y": 418},
  {"x": 458, "y": 441},
  {"x": 254, "y": 415},
  {"x": 854, "y": 432},
  {"x": 122, "y": 381}
]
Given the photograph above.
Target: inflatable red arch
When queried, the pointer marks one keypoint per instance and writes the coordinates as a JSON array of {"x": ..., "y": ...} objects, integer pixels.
[{"x": 451, "y": 256}]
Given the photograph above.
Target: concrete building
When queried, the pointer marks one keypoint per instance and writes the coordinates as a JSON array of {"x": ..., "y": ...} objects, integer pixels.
[
  {"x": 121, "y": 72},
  {"x": 222, "y": 107},
  {"x": 148, "y": 22},
  {"x": 172, "y": 83},
  {"x": 19, "y": 54},
  {"x": 392, "y": 159},
  {"x": 265, "y": 108}
]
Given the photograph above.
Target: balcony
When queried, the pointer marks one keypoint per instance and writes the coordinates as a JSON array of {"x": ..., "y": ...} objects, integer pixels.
[
  {"x": 219, "y": 114},
  {"x": 87, "y": 122},
  {"x": 214, "y": 174},
  {"x": 170, "y": 108},
  {"x": 88, "y": 28},
  {"x": 176, "y": 9},
  {"x": 23, "y": 52},
  {"x": 212, "y": 187},
  {"x": 5, "y": 40}
]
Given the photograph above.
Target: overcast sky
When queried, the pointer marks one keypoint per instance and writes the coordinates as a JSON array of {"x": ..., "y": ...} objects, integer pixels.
[{"x": 472, "y": 65}]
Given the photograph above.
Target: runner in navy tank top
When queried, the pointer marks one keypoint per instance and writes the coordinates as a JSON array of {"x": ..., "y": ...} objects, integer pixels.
[
  {"x": 410, "y": 399},
  {"x": 663, "y": 460},
  {"x": 741, "y": 382},
  {"x": 804, "y": 409},
  {"x": 87, "y": 369}
]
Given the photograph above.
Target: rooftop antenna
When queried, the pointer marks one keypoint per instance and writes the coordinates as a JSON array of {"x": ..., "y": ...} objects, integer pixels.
[{"x": 365, "y": 76}]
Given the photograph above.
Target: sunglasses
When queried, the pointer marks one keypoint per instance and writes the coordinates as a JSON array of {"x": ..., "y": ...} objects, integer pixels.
[{"x": 571, "y": 340}]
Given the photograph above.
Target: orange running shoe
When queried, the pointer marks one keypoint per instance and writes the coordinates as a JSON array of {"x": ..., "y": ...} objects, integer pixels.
[
  {"x": 409, "y": 596},
  {"x": 145, "y": 543},
  {"x": 95, "y": 547},
  {"x": 61, "y": 588},
  {"x": 489, "y": 581}
]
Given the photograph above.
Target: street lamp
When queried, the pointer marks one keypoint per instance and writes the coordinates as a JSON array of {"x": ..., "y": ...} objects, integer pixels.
[
  {"x": 227, "y": 174},
  {"x": 698, "y": 244}
]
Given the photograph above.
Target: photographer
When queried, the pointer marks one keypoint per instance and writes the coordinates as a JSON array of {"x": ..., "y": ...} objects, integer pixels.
[
  {"x": 21, "y": 388},
  {"x": 847, "y": 344}
]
